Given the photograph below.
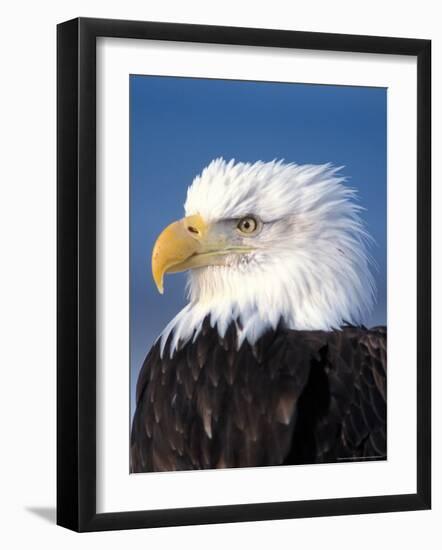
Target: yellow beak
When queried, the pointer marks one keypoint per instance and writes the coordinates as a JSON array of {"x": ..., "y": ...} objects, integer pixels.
[
  {"x": 190, "y": 243},
  {"x": 178, "y": 248}
]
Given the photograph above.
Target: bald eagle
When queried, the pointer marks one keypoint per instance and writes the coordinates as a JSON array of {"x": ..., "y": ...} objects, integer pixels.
[{"x": 268, "y": 363}]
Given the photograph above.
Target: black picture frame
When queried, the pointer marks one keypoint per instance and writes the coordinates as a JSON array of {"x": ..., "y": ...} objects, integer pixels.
[{"x": 76, "y": 274}]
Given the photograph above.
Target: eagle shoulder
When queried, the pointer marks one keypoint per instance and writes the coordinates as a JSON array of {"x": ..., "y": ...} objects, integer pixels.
[{"x": 293, "y": 397}]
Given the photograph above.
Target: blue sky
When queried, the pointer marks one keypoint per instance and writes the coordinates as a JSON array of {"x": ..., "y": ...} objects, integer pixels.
[{"x": 178, "y": 125}]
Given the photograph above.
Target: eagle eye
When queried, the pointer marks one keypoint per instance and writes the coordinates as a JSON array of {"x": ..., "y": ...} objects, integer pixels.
[{"x": 247, "y": 225}]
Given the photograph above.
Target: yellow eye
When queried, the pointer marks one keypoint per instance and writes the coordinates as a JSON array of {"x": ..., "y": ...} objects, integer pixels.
[{"x": 247, "y": 225}]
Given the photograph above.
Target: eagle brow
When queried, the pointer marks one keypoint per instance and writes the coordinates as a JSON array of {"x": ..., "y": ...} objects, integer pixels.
[{"x": 264, "y": 222}]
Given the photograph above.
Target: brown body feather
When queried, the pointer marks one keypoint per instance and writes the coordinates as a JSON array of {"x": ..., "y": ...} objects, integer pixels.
[{"x": 296, "y": 397}]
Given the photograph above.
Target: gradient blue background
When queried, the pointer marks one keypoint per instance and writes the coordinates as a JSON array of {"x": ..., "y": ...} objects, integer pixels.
[{"x": 178, "y": 125}]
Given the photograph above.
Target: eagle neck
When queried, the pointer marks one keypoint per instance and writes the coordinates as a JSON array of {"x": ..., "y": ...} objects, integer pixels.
[{"x": 188, "y": 324}]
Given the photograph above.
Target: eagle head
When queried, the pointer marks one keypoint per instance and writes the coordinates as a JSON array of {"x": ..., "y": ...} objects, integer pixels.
[{"x": 265, "y": 244}]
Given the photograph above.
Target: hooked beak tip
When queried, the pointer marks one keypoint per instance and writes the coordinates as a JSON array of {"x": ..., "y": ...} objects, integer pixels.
[{"x": 159, "y": 283}]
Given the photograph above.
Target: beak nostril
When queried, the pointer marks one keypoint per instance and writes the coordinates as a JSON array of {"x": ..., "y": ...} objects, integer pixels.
[{"x": 192, "y": 230}]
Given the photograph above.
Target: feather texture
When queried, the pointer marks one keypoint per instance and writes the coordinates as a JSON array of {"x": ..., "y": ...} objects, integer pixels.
[{"x": 294, "y": 397}]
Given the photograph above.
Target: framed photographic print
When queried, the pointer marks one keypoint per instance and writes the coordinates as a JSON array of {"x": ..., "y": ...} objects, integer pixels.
[{"x": 243, "y": 218}]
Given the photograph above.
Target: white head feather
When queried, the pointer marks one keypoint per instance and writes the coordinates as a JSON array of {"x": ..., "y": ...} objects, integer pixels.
[{"x": 310, "y": 270}]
